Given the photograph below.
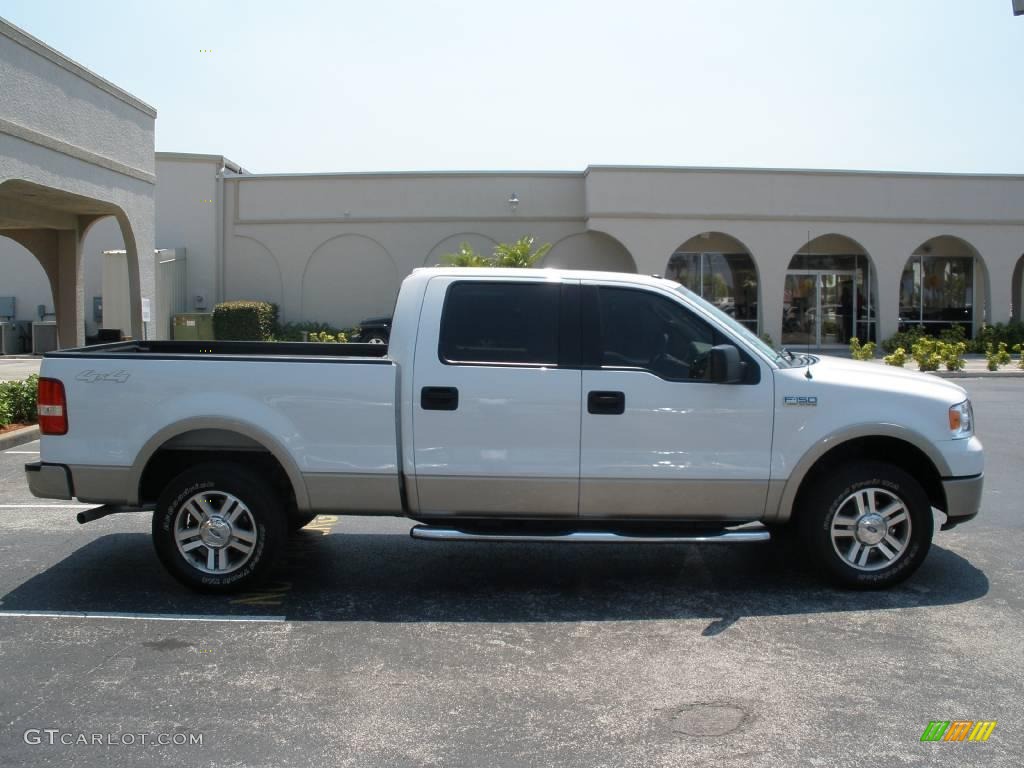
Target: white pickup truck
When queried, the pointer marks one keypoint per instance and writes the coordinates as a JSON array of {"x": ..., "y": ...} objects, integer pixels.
[{"x": 513, "y": 405}]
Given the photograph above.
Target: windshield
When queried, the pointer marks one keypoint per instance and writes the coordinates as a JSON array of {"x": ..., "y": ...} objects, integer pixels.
[{"x": 736, "y": 327}]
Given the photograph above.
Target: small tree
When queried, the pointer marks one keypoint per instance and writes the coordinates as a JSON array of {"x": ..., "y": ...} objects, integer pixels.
[
  {"x": 519, "y": 254},
  {"x": 466, "y": 257}
]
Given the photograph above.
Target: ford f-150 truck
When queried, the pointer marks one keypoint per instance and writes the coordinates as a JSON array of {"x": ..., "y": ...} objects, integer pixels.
[{"x": 513, "y": 405}]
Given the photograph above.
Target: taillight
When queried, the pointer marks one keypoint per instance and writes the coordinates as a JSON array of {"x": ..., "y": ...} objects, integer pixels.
[{"x": 53, "y": 407}]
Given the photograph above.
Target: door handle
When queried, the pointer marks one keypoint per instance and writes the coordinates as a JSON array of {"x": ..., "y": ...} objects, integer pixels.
[
  {"x": 606, "y": 403},
  {"x": 439, "y": 398}
]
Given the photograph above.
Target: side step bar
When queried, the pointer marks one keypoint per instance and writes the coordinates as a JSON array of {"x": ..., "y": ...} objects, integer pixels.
[{"x": 440, "y": 533}]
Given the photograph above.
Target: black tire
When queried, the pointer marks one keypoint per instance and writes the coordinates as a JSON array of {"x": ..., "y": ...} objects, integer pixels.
[
  {"x": 299, "y": 520},
  {"x": 260, "y": 519},
  {"x": 881, "y": 485}
]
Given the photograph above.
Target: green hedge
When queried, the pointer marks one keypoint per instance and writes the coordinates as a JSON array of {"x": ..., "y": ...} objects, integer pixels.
[
  {"x": 18, "y": 401},
  {"x": 244, "y": 321}
]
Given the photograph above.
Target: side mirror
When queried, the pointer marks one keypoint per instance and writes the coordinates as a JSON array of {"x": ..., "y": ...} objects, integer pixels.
[{"x": 726, "y": 366}]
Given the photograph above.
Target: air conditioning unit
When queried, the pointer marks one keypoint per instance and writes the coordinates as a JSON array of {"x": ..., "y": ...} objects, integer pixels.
[
  {"x": 44, "y": 336},
  {"x": 10, "y": 339}
]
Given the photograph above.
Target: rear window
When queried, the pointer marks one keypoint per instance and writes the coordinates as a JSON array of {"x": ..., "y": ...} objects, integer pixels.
[{"x": 504, "y": 323}]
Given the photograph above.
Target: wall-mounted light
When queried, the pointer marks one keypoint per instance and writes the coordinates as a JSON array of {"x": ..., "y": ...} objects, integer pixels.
[{"x": 513, "y": 201}]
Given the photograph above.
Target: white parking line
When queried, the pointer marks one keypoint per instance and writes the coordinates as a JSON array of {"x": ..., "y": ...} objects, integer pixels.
[
  {"x": 23, "y": 453},
  {"x": 138, "y": 616}
]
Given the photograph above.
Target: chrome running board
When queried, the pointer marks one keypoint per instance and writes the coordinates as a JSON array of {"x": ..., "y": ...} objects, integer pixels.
[{"x": 440, "y": 533}]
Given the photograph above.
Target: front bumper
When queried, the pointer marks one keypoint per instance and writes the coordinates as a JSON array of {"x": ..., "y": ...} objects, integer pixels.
[
  {"x": 48, "y": 481},
  {"x": 963, "y": 499}
]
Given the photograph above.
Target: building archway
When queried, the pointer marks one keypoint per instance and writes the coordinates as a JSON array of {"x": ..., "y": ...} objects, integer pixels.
[
  {"x": 722, "y": 270},
  {"x": 830, "y": 294},
  {"x": 590, "y": 250},
  {"x": 944, "y": 283}
]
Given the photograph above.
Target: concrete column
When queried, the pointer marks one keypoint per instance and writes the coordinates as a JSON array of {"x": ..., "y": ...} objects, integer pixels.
[
  {"x": 137, "y": 230},
  {"x": 771, "y": 287},
  {"x": 1000, "y": 284},
  {"x": 887, "y": 275},
  {"x": 69, "y": 290}
]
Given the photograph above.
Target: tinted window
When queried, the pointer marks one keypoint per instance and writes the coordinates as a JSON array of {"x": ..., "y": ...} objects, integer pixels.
[
  {"x": 640, "y": 329},
  {"x": 501, "y": 323}
]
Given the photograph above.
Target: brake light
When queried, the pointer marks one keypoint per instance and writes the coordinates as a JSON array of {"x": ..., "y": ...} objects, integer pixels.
[{"x": 53, "y": 407}]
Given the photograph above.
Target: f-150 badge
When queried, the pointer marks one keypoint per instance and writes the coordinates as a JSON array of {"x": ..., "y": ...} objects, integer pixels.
[{"x": 800, "y": 400}]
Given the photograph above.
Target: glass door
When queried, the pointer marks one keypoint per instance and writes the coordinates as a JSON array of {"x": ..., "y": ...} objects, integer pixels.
[
  {"x": 800, "y": 310},
  {"x": 819, "y": 308}
]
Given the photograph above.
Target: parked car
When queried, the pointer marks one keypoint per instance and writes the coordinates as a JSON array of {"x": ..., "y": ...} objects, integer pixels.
[
  {"x": 513, "y": 405},
  {"x": 373, "y": 330}
]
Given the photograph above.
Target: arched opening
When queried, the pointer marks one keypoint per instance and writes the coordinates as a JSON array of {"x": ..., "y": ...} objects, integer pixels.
[
  {"x": 590, "y": 250},
  {"x": 25, "y": 296},
  {"x": 943, "y": 285},
  {"x": 1016, "y": 290},
  {"x": 719, "y": 268},
  {"x": 829, "y": 295}
]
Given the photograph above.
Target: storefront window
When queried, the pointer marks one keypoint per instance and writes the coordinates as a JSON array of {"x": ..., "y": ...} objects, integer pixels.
[
  {"x": 938, "y": 291},
  {"x": 727, "y": 280}
]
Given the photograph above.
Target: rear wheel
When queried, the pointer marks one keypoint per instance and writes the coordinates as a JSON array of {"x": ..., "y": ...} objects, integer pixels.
[
  {"x": 218, "y": 527},
  {"x": 868, "y": 525}
]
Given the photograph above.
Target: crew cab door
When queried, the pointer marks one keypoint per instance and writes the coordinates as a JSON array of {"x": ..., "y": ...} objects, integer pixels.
[
  {"x": 659, "y": 439},
  {"x": 496, "y": 382}
]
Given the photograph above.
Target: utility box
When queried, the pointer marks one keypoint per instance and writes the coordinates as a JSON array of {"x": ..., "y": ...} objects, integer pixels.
[
  {"x": 44, "y": 336},
  {"x": 193, "y": 326},
  {"x": 10, "y": 339}
]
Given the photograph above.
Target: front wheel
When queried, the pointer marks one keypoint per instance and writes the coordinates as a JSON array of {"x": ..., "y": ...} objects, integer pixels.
[
  {"x": 868, "y": 525},
  {"x": 218, "y": 527}
]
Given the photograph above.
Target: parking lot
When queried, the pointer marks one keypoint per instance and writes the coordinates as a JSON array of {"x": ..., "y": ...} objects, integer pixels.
[{"x": 368, "y": 648}]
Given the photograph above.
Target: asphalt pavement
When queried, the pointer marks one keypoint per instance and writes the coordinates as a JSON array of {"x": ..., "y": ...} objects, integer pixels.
[{"x": 369, "y": 648}]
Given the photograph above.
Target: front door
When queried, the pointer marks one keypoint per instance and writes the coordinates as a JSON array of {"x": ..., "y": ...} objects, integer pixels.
[
  {"x": 659, "y": 439},
  {"x": 496, "y": 417},
  {"x": 819, "y": 309}
]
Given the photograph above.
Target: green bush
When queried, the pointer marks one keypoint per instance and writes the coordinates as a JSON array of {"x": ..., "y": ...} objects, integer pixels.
[
  {"x": 18, "y": 401},
  {"x": 897, "y": 358},
  {"x": 244, "y": 321},
  {"x": 997, "y": 355},
  {"x": 1011, "y": 334},
  {"x": 1019, "y": 349},
  {"x": 905, "y": 339},
  {"x": 297, "y": 331},
  {"x": 927, "y": 351},
  {"x": 860, "y": 351},
  {"x": 953, "y": 355},
  {"x": 329, "y": 338}
]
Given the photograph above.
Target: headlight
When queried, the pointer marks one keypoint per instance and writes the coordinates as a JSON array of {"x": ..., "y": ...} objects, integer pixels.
[{"x": 961, "y": 419}]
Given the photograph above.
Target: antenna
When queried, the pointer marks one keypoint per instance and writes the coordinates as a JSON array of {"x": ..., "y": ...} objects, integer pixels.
[{"x": 817, "y": 305}]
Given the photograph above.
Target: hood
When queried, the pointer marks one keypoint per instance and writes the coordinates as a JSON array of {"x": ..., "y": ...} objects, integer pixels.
[{"x": 881, "y": 377}]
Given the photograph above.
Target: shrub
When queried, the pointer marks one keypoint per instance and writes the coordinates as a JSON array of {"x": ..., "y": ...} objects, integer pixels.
[
  {"x": 997, "y": 356},
  {"x": 18, "y": 401},
  {"x": 953, "y": 355},
  {"x": 904, "y": 339},
  {"x": 244, "y": 321},
  {"x": 861, "y": 352},
  {"x": 329, "y": 338},
  {"x": 767, "y": 339},
  {"x": 295, "y": 331},
  {"x": 928, "y": 353},
  {"x": 1019, "y": 349},
  {"x": 1011, "y": 334},
  {"x": 897, "y": 358}
]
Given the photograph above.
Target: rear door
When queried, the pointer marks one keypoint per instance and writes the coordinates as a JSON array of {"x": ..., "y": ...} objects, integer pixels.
[
  {"x": 496, "y": 381},
  {"x": 659, "y": 440}
]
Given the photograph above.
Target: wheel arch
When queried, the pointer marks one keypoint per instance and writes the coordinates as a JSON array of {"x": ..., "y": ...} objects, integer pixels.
[
  {"x": 221, "y": 438},
  {"x": 890, "y": 443}
]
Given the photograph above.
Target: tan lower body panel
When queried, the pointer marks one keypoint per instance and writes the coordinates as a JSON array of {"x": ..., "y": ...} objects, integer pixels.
[
  {"x": 677, "y": 499},
  {"x": 498, "y": 496},
  {"x": 104, "y": 485},
  {"x": 353, "y": 493}
]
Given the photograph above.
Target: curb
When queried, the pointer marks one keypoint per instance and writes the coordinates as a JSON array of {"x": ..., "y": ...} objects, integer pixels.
[
  {"x": 978, "y": 374},
  {"x": 19, "y": 437}
]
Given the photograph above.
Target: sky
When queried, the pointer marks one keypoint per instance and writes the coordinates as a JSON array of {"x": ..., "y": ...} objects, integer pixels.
[{"x": 296, "y": 86}]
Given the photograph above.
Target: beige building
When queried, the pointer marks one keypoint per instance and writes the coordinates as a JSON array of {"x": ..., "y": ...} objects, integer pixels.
[
  {"x": 74, "y": 150},
  {"x": 807, "y": 257}
]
